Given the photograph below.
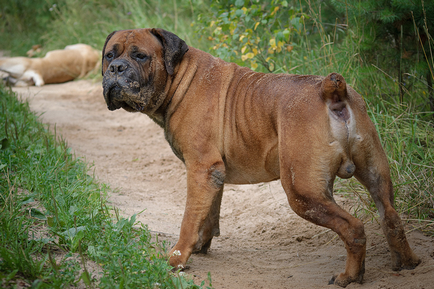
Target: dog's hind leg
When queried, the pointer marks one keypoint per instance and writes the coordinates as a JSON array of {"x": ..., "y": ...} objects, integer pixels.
[
  {"x": 310, "y": 196},
  {"x": 372, "y": 170}
]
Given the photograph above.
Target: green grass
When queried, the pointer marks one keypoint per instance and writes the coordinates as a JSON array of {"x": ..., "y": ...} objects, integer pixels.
[
  {"x": 407, "y": 138},
  {"x": 54, "y": 218}
]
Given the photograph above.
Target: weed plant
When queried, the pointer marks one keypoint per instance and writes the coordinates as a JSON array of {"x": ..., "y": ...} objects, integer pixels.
[{"x": 56, "y": 229}]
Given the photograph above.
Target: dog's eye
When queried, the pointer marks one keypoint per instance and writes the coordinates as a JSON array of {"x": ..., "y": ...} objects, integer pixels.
[
  {"x": 140, "y": 56},
  {"x": 109, "y": 56}
]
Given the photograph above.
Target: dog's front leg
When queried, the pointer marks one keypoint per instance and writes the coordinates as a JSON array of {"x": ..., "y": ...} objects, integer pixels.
[
  {"x": 201, "y": 217},
  {"x": 211, "y": 226}
]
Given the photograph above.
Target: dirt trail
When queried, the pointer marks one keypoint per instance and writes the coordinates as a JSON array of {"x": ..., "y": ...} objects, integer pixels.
[{"x": 263, "y": 244}]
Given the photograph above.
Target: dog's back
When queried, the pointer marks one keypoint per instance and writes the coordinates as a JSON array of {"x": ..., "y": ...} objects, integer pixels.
[
  {"x": 72, "y": 62},
  {"x": 315, "y": 110}
]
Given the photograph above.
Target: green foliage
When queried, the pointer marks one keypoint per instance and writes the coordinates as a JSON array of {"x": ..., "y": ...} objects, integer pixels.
[
  {"x": 407, "y": 138},
  {"x": 66, "y": 22},
  {"x": 389, "y": 12},
  {"x": 126, "y": 259},
  {"x": 396, "y": 36},
  {"x": 27, "y": 18},
  {"x": 253, "y": 32},
  {"x": 278, "y": 36},
  {"x": 35, "y": 167}
]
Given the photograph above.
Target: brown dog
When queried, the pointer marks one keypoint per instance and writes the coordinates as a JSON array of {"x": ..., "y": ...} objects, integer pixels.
[
  {"x": 229, "y": 124},
  {"x": 56, "y": 67}
]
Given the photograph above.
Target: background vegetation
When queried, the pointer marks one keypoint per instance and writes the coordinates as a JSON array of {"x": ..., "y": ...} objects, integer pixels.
[{"x": 384, "y": 49}]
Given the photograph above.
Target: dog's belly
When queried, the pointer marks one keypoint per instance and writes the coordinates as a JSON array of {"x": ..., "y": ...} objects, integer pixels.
[
  {"x": 251, "y": 166},
  {"x": 241, "y": 176}
]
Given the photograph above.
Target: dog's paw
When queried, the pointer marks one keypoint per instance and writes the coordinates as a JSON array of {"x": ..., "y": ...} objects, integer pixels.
[
  {"x": 180, "y": 268},
  {"x": 332, "y": 280},
  {"x": 204, "y": 249},
  {"x": 177, "y": 260},
  {"x": 176, "y": 263},
  {"x": 411, "y": 262},
  {"x": 343, "y": 280}
]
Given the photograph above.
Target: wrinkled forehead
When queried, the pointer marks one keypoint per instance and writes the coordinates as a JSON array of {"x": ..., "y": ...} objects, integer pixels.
[{"x": 137, "y": 39}]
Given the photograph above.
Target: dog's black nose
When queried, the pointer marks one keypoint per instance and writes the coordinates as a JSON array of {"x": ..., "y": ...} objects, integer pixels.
[{"x": 118, "y": 67}]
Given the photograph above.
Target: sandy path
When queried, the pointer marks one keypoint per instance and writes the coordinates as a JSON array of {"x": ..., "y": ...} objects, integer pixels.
[{"x": 263, "y": 244}]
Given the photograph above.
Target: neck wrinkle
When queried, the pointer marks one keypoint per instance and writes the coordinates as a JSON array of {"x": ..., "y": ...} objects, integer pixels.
[{"x": 177, "y": 86}]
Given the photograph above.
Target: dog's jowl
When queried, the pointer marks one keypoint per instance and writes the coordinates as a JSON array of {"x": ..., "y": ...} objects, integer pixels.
[{"x": 229, "y": 124}]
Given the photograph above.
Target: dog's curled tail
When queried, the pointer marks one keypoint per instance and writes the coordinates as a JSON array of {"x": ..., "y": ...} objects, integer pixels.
[{"x": 334, "y": 94}]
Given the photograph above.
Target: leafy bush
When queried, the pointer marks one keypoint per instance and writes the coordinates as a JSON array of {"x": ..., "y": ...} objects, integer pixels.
[{"x": 256, "y": 33}]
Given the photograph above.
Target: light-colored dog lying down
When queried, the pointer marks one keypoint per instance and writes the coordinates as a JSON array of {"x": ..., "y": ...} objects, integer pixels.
[{"x": 56, "y": 67}]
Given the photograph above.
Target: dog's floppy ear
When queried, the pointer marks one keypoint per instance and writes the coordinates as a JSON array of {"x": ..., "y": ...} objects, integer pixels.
[
  {"x": 103, "y": 50},
  {"x": 174, "y": 48}
]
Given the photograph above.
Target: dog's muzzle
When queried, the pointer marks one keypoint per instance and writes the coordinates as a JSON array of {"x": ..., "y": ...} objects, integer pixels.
[{"x": 121, "y": 86}]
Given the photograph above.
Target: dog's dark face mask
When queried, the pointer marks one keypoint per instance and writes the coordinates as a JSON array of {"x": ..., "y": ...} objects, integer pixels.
[{"x": 136, "y": 65}]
